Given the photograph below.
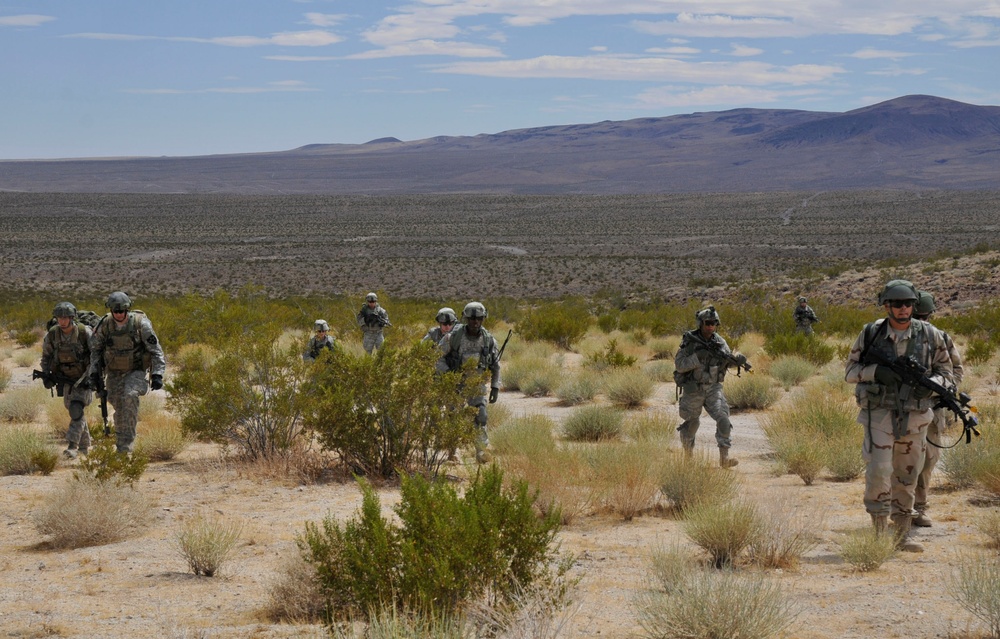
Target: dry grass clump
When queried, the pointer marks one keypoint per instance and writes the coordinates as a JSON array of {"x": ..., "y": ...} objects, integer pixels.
[
  {"x": 791, "y": 370},
  {"x": 207, "y": 542},
  {"x": 20, "y": 405},
  {"x": 626, "y": 476},
  {"x": 687, "y": 481},
  {"x": 524, "y": 371},
  {"x": 578, "y": 387},
  {"x": 724, "y": 529},
  {"x": 988, "y": 523},
  {"x": 657, "y": 427},
  {"x": 866, "y": 550},
  {"x": 194, "y": 357},
  {"x": 628, "y": 387},
  {"x": 750, "y": 391},
  {"x": 967, "y": 465},
  {"x": 525, "y": 435},
  {"x": 23, "y": 450},
  {"x": 976, "y": 587},
  {"x": 88, "y": 512},
  {"x": 788, "y": 535},
  {"x": 26, "y": 357},
  {"x": 661, "y": 370},
  {"x": 295, "y": 594},
  {"x": 593, "y": 424},
  {"x": 150, "y": 406},
  {"x": 664, "y": 347},
  {"x": 57, "y": 417},
  {"x": 5, "y": 375},
  {"x": 161, "y": 437},
  {"x": 542, "y": 381}
]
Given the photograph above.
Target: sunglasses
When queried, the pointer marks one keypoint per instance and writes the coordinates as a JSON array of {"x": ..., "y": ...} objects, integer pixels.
[
  {"x": 901, "y": 303},
  {"x": 711, "y": 323},
  {"x": 447, "y": 323}
]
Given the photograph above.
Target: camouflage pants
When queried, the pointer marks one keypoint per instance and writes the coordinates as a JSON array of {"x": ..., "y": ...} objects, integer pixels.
[
  {"x": 124, "y": 390},
  {"x": 372, "y": 340},
  {"x": 75, "y": 399},
  {"x": 805, "y": 328},
  {"x": 892, "y": 464},
  {"x": 483, "y": 440},
  {"x": 931, "y": 457},
  {"x": 710, "y": 397}
]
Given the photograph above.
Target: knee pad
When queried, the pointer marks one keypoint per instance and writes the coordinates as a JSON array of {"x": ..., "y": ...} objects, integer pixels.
[{"x": 75, "y": 410}]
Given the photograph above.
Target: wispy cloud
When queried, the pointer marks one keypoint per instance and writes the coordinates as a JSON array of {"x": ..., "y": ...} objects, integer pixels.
[
  {"x": 282, "y": 86},
  {"x": 743, "y": 51},
  {"x": 869, "y": 53},
  {"x": 312, "y": 38},
  {"x": 325, "y": 19},
  {"x": 25, "y": 20},
  {"x": 677, "y": 97},
  {"x": 431, "y": 47}
]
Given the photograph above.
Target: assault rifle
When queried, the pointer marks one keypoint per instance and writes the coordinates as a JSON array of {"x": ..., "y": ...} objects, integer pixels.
[
  {"x": 715, "y": 349},
  {"x": 504, "y": 345},
  {"x": 102, "y": 392},
  {"x": 915, "y": 374},
  {"x": 52, "y": 380}
]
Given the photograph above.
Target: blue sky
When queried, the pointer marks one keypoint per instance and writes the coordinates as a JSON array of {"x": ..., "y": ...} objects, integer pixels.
[{"x": 130, "y": 77}]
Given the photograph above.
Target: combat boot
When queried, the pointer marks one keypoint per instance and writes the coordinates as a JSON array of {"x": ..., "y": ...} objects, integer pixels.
[
  {"x": 902, "y": 533},
  {"x": 880, "y": 523},
  {"x": 688, "y": 446},
  {"x": 70, "y": 452},
  {"x": 922, "y": 519},
  {"x": 484, "y": 456},
  {"x": 724, "y": 460}
]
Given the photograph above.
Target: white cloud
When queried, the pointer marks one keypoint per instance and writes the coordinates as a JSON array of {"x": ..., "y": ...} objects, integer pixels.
[
  {"x": 673, "y": 50},
  {"x": 25, "y": 20},
  {"x": 430, "y": 47},
  {"x": 283, "y": 86},
  {"x": 313, "y": 38},
  {"x": 599, "y": 49},
  {"x": 869, "y": 53},
  {"x": 725, "y": 95},
  {"x": 742, "y": 51},
  {"x": 301, "y": 58},
  {"x": 894, "y": 72},
  {"x": 325, "y": 19}
]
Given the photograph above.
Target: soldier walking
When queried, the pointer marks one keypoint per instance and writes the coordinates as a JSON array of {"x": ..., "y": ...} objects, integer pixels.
[
  {"x": 318, "y": 342},
  {"x": 65, "y": 360},
  {"x": 372, "y": 318},
  {"x": 804, "y": 317},
  {"x": 446, "y": 320}
]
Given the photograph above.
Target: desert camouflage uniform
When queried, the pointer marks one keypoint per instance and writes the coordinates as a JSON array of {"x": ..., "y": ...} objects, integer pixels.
[
  {"x": 120, "y": 353},
  {"x": 315, "y": 347},
  {"x": 371, "y": 321},
  {"x": 804, "y": 317},
  {"x": 895, "y": 429},
  {"x": 937, "y": 426},
  {"x": 459, "y": 347},
  {"x": 700, "y": 377},
  {"x": 69, "y": 356}
]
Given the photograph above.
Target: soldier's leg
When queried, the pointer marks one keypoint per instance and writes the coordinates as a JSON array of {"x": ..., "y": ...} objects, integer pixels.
[
  {"x": 907, "y": 456},
  {"x": 931, "y": 456},
  {"x": 379, "y": 340},
  {"x": 482, "y": 438},
  {"x": 75, "y": 401},
  {"x": 718, "y": 409},
  {"x": 877, "y": 453},
  {"x": 127, "y": 412},
  {"x": 689, "y": 409},
  {"x": 368, "y": 341}
]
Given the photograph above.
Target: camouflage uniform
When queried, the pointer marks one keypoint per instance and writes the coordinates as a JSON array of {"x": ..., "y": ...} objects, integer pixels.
[
  {"x": 445, "y": 317},
  {"x": 804, "y": 317},
  {"x": 316, "y": 345},
  {"x": 124, "y": 353},
  {"x": 700, "y": 376},
  {"x": 68, "y": 356},
  {"x": 371, "y": 321}
]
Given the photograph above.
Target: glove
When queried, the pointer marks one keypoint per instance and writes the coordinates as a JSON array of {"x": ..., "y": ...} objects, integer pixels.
[
  {"x": 494, "y": 395},
  {"x": 921, "y": 392},
  {"x": 48, "y": 383},
  {"x": 156, "y": 382},
  {"x": 886, "y": 376},
  {"x": 740, "y": 358},
  {"x": 95, "y": 381}
]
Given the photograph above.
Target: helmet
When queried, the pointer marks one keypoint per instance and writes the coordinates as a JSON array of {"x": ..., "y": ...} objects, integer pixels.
[
  {"x": 802, "y": 299},
  {"x": 118, "y": 301},
  {"x": 474, "y": 309},
  {"x": 925, "y": 303},
  {"x": 446, "y": 316},
  {"x": 371, "y": 297},
  {"x": 64, "y": 309},
  {"x": 898, "y": 290},
  {"x": 707, "y": 314},
  {"x": 320, "y": 325}
]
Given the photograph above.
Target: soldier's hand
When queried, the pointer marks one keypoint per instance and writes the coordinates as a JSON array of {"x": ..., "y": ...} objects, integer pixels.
[
  {"x": 494, "y": 395},
  {"x": 48, "y": 383},
  {"x": 921, "y": 392},
  {"x": 886, "y": 376},
  {"x": 741, "y": 359},
  {"x": 156, "y": 382}
]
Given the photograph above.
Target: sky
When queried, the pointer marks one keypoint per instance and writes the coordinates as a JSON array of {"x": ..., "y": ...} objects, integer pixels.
[{"x": 110, "y": 78}]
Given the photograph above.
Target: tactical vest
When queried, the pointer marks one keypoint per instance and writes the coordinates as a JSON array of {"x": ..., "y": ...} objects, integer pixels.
[
  {"x": 920, "y": 346},
  {"x": 456, "y": 356},
  {"x": 711, "y": 372},
  {"x": 71, "y": 357},
  {"x": 124, "y": 350}
]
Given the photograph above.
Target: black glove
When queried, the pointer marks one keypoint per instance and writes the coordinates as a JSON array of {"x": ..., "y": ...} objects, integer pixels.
[
  {"x": 922, "y": 392},
  {"x": 741, "y": 359},
  {"x": 886, "y": 376},
  {"x": 494, "y": 395},
  {"x": 95, "y": 381},
  {"x": 48, "y": 382},
  {"x": 156, "y": 382}
]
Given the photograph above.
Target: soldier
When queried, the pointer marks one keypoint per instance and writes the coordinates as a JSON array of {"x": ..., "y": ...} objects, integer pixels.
[
  {"x": 895, "y": 414},
  {"x": 701, "y": 364},
  {"x": 65, "y": 360},
  {"x": 922, "y": 311},
  {"x": 123, "y": 348},
  {"x": 322, "y": 340},
  {"x": 446, "y": 320},
  {"x": 804, "y": 317},
  {"x": 472, "y": 341},
  {"x": 372, "y": 318}
]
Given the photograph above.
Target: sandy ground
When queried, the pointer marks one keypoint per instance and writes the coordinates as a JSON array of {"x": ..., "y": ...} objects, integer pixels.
[{"x": 140, "y": 588}]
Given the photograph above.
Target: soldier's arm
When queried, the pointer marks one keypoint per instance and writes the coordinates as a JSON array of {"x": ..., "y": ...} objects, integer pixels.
[
  {"x": 854, "y": 371},
  {"x": 48, "y": 349},
  {"x": 494, "y": 365},
  {"x": 957, "y": 371},
  {"x": 97, "y": 344},
  {"x": 158, "y": 363},
  {"x": 941, "y": 369},
  {"x": 686, "y": 358}
]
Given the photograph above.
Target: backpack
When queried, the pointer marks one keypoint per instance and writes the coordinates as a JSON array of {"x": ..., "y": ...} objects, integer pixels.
[{"x": 88, "y": 318}]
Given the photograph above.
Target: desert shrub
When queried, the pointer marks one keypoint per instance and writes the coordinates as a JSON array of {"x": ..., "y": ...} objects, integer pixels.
[
  {"x": 518, "y": 370},
  {"x": 22, "y": 450},
  {"x": 961, "y": 464},
  {"x": 560, "y": 323},
  {"x": 711, "y": 605},
  {"x": 664, "y": 347},
  {"x": 660, "y": 370},
  {"x": 20, "y": 405},
  {"x": 804, "y": 458},
  {"x": 105, "y": 464},
  {"x": 562, "y": 477},
  {"x": 250, "y": 396},
  {"x": 788, "y": 535},
  {"x": 206, "y": 542},
  {"x": 867, "y": 550},
  {"x": 593, "y": 424},
  {"x": 724, "y": 529},
  {"x": 45, "y": 461},
  {"x": 28, "y": 338},
  {"x": 194, "y": 357},
  {"x": 578, "y": 387},
  {"x": 655, "y": 427},
  {"x": 810, "y": 348},
  {"x": 687, "y": 481},
  {"x": 151, "y": 406},
  {"x": 445, "y": 552},
  {"x": 524, "y": 435},
  {"x": 979, "y": 351},
  {"x": 542, "y": 380},
  {"x": 988, "y": 524},
  {"x": 750, "y": 392},
  {"x": 791, "y": 370},
  {"x": 610, "y": 357},
  {"x": 162, "y": 437},
  {"x": 391, "y": 412},
  {"x": 88, "y": 512},
  {"x": 27, "y": 357},
  {"x": 670, "y": 567},
  {"x": 626, "y": 473},
  {"x": 5, "y": 375},
  {"x": 628, "y": 388},
  {"x": 976, "y": 587},
  {"x": 295, "y": 594}
]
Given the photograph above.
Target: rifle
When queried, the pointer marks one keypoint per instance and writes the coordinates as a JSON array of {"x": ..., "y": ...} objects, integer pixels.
[
  {"x": 915, "y": 374},
  {"x": 504, "y": 345},
  {"x": 102, "y": 392},
  {"x": 57, "y": 381},
  {"x": 716, "y": 349}
]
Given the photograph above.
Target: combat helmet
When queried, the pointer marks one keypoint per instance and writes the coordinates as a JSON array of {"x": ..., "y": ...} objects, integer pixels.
[
  {"x": 474, "y": 309},
  {"x": 802, "y": 299},
  {"x": 707, "y": 315},
  {"x": 371, "y": 297},
  {"x": 64, "y": 309},
  {"x": 320, "y": 325},
  {"x": 446, "y": 316},
  {"x": 897, "y": 290},
  {"x": 924, "y": 305},
  {"x": 118, "y": 301}
]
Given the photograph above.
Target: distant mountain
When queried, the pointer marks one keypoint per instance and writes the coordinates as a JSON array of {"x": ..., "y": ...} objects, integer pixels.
[{"x": 912, "y": 142}]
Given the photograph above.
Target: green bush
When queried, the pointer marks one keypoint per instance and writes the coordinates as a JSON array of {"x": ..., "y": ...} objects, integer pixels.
[
  {"x": 88, "y": 512},
  {"x": 593, "y": 424},
  {"x": 976, "y": 587},
  {"x": 665, "y": 347},
  {"x": 979, "y": 351},
  {"x": 628, "y": 388},
  {"x": 687, "y": 481},
  {"x": 542, "y": 380},
  {"x": 610, "y": 357},
  {"x": 105, "y": 464},
  {"x": 866, "y": 550},
  {"x": 750, "y": 392},
  {"x": 391, "y": 412},
  {"x": 27, "y": 338},
  {"x": 562, "y": 324},
  {"x": 446, "y": 550},
  {"x": 791, "y": 370},
  {"x": 724, "y": 529},
  {"x": 808, "y": 347},
  {"x": 207, "y": 542},
  {"x": 22, "y": 447},
  {"x": 578, "y": 387}
]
